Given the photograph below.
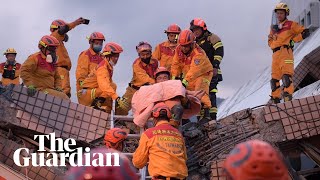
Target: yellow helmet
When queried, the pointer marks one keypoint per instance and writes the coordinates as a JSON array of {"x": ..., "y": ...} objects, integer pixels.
[
  {"x": 10, "y": 51},
  {"x": 282, "y": 6}
]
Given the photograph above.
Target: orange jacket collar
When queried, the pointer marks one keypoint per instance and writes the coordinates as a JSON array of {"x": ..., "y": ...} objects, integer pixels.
[
  {"x": 42, "y": 55},
  {"x": 162, "y": 122}
]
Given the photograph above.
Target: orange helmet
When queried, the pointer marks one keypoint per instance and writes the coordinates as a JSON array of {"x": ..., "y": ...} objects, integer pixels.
[
  {"x": 114, "y": 138},
  {"x": 112, "y": 48},
  {"x": 46, "y": 41},
  {"x": 96, "y": 36},
  {"x": 186, "y": 37},
  {"x": 159, "y": 108},
  {"x": 198, "y": 22},
  {"x": 255, "y": 159},
  {"x": 123, "y": 172},
  {"x": 173, "y": 28},
  {"x": 143, "y": 46},
  {"x": 161, "y": 70},
  {"x": 57, "y": 23}
]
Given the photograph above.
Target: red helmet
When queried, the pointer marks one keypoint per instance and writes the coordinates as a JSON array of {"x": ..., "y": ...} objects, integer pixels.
[
  {"x": 96, "y": 36},
  {"x": 198, "y": 22},
  {"x": 123, "y": 172},
  {"x": 47, "y": 40},
  {"x": 255, "y": 159},
  {"x": 186, "y": 37},
  {"x": 112, "y": 48},
  {"x": 143, "y": 46},
  {"x": 57, "y": 23},
  {"x": 114, "y": 138},
  {"x": 173, "y": 28},
  {"x": 161, "y": 106},
  {"x": 161, "y": 70}
]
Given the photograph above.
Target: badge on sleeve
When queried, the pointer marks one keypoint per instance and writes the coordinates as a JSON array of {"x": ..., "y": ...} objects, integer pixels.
[{"x": 197, "y": 61}]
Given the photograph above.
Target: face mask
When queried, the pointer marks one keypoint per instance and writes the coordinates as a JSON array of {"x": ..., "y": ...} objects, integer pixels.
[
  {"x": 146, "y": 60},
  {"x": 66, "y": 38},
  {"x": 11, "y": 62},
  {"x": 51, "y": 58},
  {"x": 97, "y": 48}
]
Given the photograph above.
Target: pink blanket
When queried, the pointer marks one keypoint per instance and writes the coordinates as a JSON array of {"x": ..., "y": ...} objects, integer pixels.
[{"x": 144, "y": 100}]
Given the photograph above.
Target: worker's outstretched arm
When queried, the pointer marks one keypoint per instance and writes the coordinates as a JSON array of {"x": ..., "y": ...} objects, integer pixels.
[
  {"x": 175, "y": 66},
  {"x": 27, "y": 69},
  {"x": 82, "y": 70},
  {"x": 219, "y": 50}
]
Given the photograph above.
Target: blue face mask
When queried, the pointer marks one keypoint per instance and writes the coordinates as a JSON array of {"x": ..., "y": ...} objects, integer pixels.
[{"x": 97, "y": 48}]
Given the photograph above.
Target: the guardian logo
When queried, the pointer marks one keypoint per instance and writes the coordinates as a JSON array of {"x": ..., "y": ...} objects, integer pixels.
[{"x": 75, "y": 157}]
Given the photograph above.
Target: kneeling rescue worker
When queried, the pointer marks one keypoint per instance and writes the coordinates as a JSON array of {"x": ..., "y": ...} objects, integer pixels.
[
  {"x": 192, "y": 62},
  {"x": 163, "y": 146},
  {"x": 114, "y": 138},
  {"x": 255, "y": 159},
  {"x": 99, "y": 89},
  {"x": 38, "y": 72},
  {"x": 143, "y": 68},
  {"x": 10, "y": 69},
  {"x": 282, "y": 59}
]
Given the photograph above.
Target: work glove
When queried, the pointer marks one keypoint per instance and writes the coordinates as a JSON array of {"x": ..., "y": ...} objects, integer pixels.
[
  {"x": 184, "y": 83},
  {"x": 31, "y": 91},
  {"x": 305, "y": 33},
  {"x": 122, "y": 103},
  {"x": 97, "y": 102}
]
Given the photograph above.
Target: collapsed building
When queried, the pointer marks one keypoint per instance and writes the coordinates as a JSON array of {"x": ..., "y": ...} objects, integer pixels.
[{"x": 292, "y": 127}]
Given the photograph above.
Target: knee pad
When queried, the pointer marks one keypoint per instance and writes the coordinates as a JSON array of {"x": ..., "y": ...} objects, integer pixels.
[
  {"x": 286, "y": 80},
  {"x": 273, "y": 84},
  {"x": 177, "y": 112}
]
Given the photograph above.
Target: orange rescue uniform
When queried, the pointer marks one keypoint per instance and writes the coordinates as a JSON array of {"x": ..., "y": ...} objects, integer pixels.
[
  {"x": 99, "y": 84},
  {"x": 87, "y": 63},
  {"x": 282, "y": 58},
  {"x": 143, "y": 74},
  {"x": 163, "y": 146},
  {"x": 196, "y": 68},
  {"x": 42, "y": 75},
  {"x": 164, "y": 53},
  {"x": 10, "y": 73},
  {"x": 64, "y": 62}
]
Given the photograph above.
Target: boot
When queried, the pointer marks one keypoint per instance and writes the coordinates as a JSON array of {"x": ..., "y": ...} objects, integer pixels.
[
  {"x": 274, "y": 100},
  {"x": 206, "y": 117},
  {"x": 97, "y": 102},
  {"x": 287, "y": 96},
  {"x": 213, "y": 116}
]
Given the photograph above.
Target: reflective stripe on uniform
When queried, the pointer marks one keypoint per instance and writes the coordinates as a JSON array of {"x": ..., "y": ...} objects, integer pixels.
[
  {"x": 206, "y": 81},
  {"x": 218, "y": 58},
  {"x": 93, "y": 93},
  {"x": 219, "y": 71},
  {"x": 214, "y": 90},
  {"x": 217, "y": 45},
  {"x": 288, "y": 61},
  {"x": 213, "y": 110}
]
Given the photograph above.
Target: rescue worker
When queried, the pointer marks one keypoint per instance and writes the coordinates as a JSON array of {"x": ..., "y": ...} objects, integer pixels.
[
  {"x": 164, "y": 51},
  {"x": 282, "y": 59},
  {"x": 114, "y": 138},
  {"x": 123, "y": 171},
  {"x": 212, "y": 45},
  {"x": 99, "y": 89},
  {"x": 255, "y": 159},
  {"x": 163, "y": 146},
  {"x": 10, "y": 69},
  {"x": 38, "y": 72},
  {"x": 191, "y": 64},
  {"x": 59, "y": 29},
  {"x": 144, "y": 68},
  {"x": 89, "y": 59}
]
